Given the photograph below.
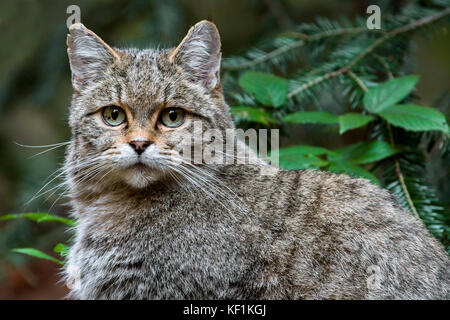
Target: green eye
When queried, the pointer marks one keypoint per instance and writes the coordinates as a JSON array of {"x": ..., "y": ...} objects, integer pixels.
[
  {"x": 172, "y": 117},
  {"x": 113, "y": 116}
]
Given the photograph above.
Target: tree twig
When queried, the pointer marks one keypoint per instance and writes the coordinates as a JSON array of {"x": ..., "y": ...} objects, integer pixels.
[
  {"x": 326, "y": 34},
  {"x": 357, "y": 80},
  {"x": 385, "y": 65},
  {"x": 399, "y": 174}
]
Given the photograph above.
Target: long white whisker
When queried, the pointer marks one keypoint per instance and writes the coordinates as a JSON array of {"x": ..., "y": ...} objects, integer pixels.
[
  {"x": 62, "y": 171},
  {"x": 205, "y": 172},
  {"x": 42, "y": 152},
  {"x": 37, "y": 193},
  {"x": 42, "y": 146},
  {"x": 200, "y": 181},
  {"x": 93, "y": 187},
  {"x": 49, "y": 146},
  {"x": 196, "y": 183},
  {"x": 64, "y": 193}
]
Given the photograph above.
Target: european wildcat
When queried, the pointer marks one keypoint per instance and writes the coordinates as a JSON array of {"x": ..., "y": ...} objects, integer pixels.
[{"x": 147, "y": 228}]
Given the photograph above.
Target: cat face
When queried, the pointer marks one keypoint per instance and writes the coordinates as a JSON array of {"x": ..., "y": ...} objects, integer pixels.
[{"x": 133, "y": 109}]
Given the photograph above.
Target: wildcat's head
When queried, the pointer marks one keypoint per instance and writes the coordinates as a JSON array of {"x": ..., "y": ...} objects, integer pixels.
[{"x": 132, "y": 108}]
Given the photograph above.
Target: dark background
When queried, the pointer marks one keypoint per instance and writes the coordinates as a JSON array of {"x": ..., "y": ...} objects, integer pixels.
[{"x": 35, "y": 92}]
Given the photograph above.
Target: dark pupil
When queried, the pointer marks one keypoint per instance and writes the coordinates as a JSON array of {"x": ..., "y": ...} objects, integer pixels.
[
  {"x": 115, "y": 114},
  {"x": 173, "y": 115}
]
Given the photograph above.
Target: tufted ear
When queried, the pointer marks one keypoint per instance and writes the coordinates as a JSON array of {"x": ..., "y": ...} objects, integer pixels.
[
  {"x": 89, "y": 56},
  {"x": 199, "y": 54}
]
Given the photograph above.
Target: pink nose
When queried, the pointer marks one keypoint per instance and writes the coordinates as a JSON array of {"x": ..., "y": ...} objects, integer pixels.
[{"x": 139, "y": 146}]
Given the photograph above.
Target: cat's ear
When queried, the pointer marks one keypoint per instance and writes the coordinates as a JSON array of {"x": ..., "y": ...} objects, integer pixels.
[
  {"x": 89, "y": 56},
  {"x": 199, "y": 54}
]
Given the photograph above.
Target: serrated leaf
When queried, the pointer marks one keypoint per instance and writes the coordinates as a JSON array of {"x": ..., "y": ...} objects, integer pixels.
[
  {"x": 37, "y": 253},
  {"x": 389, "y": 93},
  {"x": 363, "y": 152},
  {"x": 38, "y": 217},
  {"x": 352, "y": 170},
  {"x": 62, "y": 249},
  {"x": 252, "y": 114},
  {"x": 267, "y": 88},
  {"x": 415, "y": 118},
  {"x": 310, "y": 117},
  {"x": 351, "y": 121}
]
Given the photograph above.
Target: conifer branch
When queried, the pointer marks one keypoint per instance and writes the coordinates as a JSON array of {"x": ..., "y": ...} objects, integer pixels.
[
  {"x": 316, "y": 81},
  {"x": 267, "y": 56},
  {"x": 325, "y": 34},
  {"x": 395, "y": 32},
  {"x": 303, "y": 38}
]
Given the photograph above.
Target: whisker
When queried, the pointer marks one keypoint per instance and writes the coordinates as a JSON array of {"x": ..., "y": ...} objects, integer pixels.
[
  {"x": 63, "y": 171},
  {"x": 201, "y": 179},
  {"x": 37, "y": 193},
  {"x": 42, "y": 146},
  {"x": 42, "y": 152},
  {"x": 64, "y": 193}
]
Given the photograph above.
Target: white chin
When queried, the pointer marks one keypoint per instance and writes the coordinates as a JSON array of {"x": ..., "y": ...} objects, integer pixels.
[{"x": 139, "y": 178}]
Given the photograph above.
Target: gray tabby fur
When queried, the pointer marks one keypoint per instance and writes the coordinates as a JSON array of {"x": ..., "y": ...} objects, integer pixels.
[{"x": 233, "y": 233}]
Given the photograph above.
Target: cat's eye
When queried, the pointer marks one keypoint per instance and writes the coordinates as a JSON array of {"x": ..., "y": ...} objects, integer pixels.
[
  {"x": 113, "y": 116},
  {"x": 173, "y": 117}
]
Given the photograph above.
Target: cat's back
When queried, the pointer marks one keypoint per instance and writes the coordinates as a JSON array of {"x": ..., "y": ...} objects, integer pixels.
[{"x": 340, "y": 237}]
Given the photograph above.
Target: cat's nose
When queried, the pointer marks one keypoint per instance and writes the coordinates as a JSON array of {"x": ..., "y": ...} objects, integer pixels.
[{"x": 139, "y": 145}]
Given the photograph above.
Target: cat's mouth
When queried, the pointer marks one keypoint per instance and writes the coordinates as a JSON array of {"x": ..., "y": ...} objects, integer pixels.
[
  {"x": 139, "y": 175},
  {"x": 142, "y": 168}
]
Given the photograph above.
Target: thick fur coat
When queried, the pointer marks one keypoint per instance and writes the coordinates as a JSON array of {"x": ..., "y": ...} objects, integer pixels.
[{"x": 149, "y": 227}]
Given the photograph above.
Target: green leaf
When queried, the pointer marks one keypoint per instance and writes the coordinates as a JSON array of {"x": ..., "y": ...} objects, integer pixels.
[
  {"x": 310, "y": 117},
  {"x": 38, "y": 254},
  {"x": 415, "y": 118},
  {"x": 267, "y": 88},
  {"x": 352, "y": 170},
  {"x": 363, "y": 152},
  {"x": 38, "y": 217},
  {"x": 302, "y": 157},
  {"x": 350, "y": 121},
  {"x": 252, "y": 114},
  {"x": 304, "y": 149},
  {"x": 62, "y": 249},
  {"x": 389, "y": 93},
  {"x": 300, "y": 162}
]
